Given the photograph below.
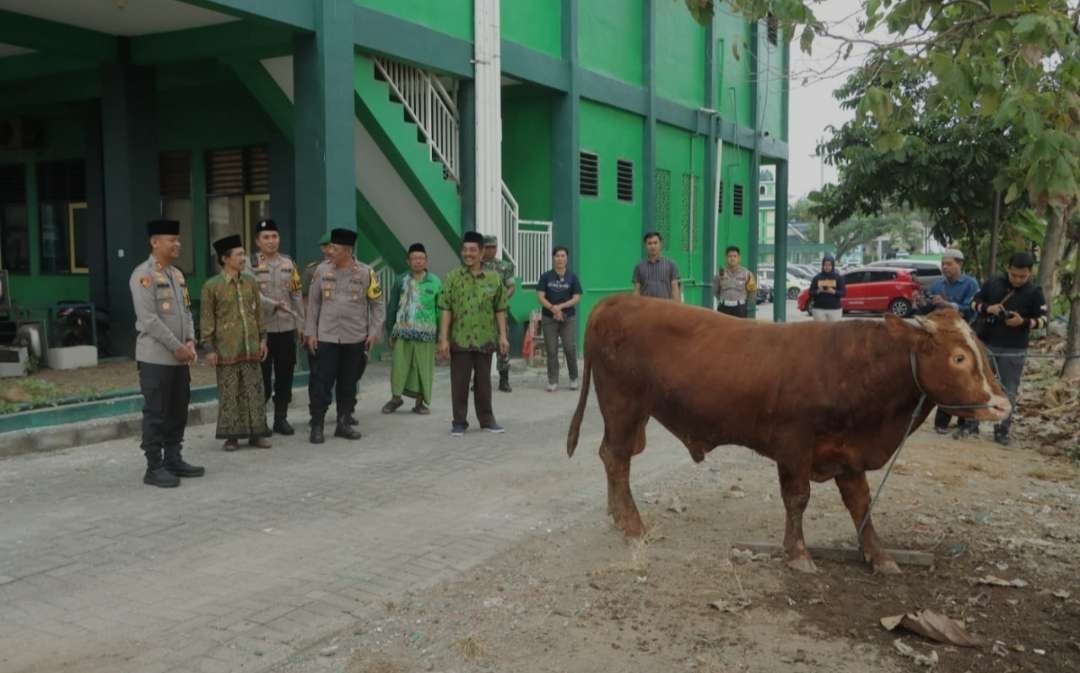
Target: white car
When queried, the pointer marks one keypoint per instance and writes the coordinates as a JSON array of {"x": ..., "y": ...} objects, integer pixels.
[{"x": 795, "y": 285}]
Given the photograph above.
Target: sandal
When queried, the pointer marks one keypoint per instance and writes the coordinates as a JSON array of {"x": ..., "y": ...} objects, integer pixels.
[
  {"x": 393, "y": 405},
  {"x": 231, "y": 445},
  {"x": 421, "y": 409}
]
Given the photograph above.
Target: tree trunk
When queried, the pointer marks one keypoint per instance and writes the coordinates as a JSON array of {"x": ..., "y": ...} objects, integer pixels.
[
  {"x": 1052, "y": 250},
  {"x": 995, "y": 232},
  {"x": 1072, "y": 338}
]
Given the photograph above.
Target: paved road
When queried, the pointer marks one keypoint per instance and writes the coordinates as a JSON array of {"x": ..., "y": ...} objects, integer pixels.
[{"x": 274, "y": 550}]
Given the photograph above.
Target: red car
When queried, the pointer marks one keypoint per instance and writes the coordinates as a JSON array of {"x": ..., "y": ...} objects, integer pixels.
[{"x": 875, "y": 290}]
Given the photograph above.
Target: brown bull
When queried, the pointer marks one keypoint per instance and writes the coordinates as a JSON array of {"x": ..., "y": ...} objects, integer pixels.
[{"x": 823, "y": 400}]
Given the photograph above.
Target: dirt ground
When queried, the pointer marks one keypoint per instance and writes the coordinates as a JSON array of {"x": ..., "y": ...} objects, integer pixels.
[{"x": 577, "y": 597}]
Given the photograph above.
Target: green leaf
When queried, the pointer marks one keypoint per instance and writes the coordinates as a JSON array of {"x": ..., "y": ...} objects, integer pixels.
[
  {"x": 1002, "y": 6},
  {"x": 806, "y": 40},
  {"x": 1013, "y": 194}
]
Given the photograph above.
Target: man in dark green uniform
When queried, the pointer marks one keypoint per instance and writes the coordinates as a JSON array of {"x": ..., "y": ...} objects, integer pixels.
[
  {"x": 164, "y": 349},
  {"x": 505, "y": 270}
]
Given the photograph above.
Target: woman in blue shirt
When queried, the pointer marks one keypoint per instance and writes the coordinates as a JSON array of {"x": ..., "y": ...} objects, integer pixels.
[{"x": 559, "y": 291}]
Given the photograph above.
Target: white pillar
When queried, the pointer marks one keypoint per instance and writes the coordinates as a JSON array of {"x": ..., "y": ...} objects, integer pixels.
[{"x": 488, "y": 87}]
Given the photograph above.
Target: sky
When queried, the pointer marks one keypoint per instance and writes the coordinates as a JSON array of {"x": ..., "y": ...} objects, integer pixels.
[{"x": 813, "y": 107}]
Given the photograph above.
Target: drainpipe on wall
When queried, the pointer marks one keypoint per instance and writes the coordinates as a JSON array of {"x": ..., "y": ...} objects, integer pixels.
[{"x": 488, "y": 114}]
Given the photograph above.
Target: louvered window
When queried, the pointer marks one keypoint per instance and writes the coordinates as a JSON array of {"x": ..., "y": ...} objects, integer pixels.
[
  {"x": 690, "y": 184},
  {"x": 257, "y": 170},
  {"x": 225, "y": 171},
  {"x": 624, "y": 180},
  {"x": 174, "y": 170},
  {"x": 720, "y": 200},
  {"x": 590, "y": 174},
  {"x": 737, "y": 200},
  {"x": 238, "y": 187}
]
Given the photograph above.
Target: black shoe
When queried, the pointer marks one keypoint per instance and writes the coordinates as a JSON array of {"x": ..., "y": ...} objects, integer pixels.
[
  {"x": 175, "y": 464},
  {"x": 316, "y": 436},
  {"x": 349, "y": 419},
  {"x": 282, "y": 427},
  {"x": 504, "y": 382},
  {"x": 346, "y": 432},
  {"x": 160, "y": 477},
  {"x": 156, "y": 474},
  {"x": 1002, "y": 438}
]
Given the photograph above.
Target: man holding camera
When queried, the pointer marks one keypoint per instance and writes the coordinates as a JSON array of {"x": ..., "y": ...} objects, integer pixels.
[{"x": 1010, "y": 306}]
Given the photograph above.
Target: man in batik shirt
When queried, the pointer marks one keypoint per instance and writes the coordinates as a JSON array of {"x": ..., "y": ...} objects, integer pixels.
[{"x": 235, "y": 338}]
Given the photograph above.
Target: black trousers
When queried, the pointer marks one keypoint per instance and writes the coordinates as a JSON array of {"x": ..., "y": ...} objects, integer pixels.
[
  {"x": 166, "y": 391},
  {"x": 467, "y": 367},
  {"x": 278, "y": 366},
  {"x": 735, "y": 311},
  {"x": 339, "y": 365}
]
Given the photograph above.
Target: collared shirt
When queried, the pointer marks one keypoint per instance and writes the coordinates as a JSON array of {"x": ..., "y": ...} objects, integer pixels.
[
  {"x": 958, "y": 293},
  {"x": 503, "y": 268},
  {"x": 473, "y": 301},
  {"x": 230, "y": 318},
  {"x": 413, "y": 311},
  {"x": 279, "y": 281},
  {"x": 162, "y": 312},
  {"x": 346, "y": 305},
  {"x": 558, "y": 289},
  {"x": 655, "y": 277},
  {"x": 731, "y": 286}
]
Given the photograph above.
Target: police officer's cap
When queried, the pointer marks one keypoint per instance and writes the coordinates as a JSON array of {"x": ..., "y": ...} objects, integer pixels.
[
  {"x": 223, "y": 245},
  {"x": 343, "y": 237},
  {"x": 265, "y": 225},
  {"x": 162, "y": 228},
  {"x": 491, "y": 241}
]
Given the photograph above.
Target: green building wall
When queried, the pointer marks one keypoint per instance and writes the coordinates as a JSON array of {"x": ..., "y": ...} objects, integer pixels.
[
  {"x": 680, "y": 55},
  {"x": 610, "y": 38},
  {"x": 536, "y": 24}
]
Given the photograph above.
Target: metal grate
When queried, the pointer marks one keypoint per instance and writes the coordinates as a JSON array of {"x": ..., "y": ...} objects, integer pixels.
[
  {"x": 174, "y": 169},
  {"x": 13, "y": 183},
  {"x": 690, "y": 185},
  {"x": 737, "y": 200},
  {"x": 624, "y": 180},
  {"x": 663, "y": 203},
  {"x": 590, "y": 174},
  {"x": 720, "y": 199}
]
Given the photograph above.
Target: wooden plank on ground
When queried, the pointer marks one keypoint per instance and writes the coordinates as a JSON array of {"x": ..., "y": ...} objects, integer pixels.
[{"x": 845, "y": 554}]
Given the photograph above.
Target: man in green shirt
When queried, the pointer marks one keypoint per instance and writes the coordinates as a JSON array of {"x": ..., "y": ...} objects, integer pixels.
[
  {"x": 505, "y": 270},
  {"x": 472, "y": 327},
  {"x": 234, "y": 335},
  {"x": 412, "y": 321}
]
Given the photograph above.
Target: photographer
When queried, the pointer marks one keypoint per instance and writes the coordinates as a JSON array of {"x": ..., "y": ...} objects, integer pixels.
[
  {"x": 955, "y": 290},
  {"x": 1009, "y": 306}
]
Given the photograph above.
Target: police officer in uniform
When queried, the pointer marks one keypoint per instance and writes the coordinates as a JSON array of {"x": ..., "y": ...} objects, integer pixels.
[
  {"x": 164, "y": 349},
  {"x": 345, "y": 316},
  {"x": 505, "y": 270},
  {"x": 733, "y": 286},
  {"x": 283, "y": 317}
]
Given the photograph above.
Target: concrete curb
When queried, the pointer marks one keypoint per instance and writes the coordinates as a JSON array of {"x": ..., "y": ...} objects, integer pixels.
[{"x": 70, "y": 435}]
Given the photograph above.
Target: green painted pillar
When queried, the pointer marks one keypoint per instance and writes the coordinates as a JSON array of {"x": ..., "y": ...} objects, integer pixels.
[
  {"x": 565, "y": 140},
  {"x": 283, "y": 191},
  {"x": 648, "y": 70},
  {"x": 780, "y": 234},
  {"x": 324, "y": 135},
  {"x": 753, "y": 244},
  {"x": 708, "y": 259},
  {"x": 467, "y": 153},
  {"x": 132, "y": 191},
  {"x": 97, "y": 252}
]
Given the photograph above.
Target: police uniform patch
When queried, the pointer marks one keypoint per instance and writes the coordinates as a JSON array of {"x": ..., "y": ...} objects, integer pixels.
[
  {"x": 145, "y": 281},
  {"x": 374, "y": 291}
]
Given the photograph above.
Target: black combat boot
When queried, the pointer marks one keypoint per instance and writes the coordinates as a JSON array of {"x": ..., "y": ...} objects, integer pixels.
[
  {"x": 156, "y": 474},
  {"x": 316, "y": 436},
  {"x": 175, "y": 464},
  {"x": 345, "y": 429},
  {"x": 281, "y": 425},
  {"x": 504, "y": 382}
]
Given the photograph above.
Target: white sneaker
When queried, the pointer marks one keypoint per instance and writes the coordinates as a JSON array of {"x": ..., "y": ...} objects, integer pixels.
[
  {"x": 574, "y": 385},
  {"x": 552, "y": 387}
]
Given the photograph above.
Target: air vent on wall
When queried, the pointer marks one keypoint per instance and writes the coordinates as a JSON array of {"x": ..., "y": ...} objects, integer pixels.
[{"x": 590, "y": 174}]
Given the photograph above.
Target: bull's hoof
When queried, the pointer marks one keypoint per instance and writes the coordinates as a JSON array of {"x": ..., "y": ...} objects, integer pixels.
[
  {"x": 886, "y": 567},
  {"x": 803, "y": 565}
]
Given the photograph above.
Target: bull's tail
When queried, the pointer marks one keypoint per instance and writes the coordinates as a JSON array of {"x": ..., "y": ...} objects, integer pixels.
[{"x": 579, "y": 413}]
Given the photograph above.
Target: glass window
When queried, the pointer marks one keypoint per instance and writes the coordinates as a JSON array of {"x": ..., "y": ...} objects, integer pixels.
[
  {"x": 856, "y": 277},
  {"x": 881, "y": 276},
  {"x": 226, "y": 217},
  {"x": 15, "y": 252},
  {"x": 64, "y": 234},
  {"x": 237, "y": 183}
]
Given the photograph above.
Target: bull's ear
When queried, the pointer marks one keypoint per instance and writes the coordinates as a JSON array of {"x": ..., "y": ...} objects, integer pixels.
[{"x": 900, "y": 330}]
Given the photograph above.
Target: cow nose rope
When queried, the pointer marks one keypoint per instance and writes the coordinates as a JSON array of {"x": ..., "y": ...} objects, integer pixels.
[{"x": 903, "y": 441}]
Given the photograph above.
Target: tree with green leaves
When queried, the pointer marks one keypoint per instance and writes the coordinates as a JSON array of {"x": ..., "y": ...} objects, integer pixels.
[{"x": 1013, "y": 63}]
